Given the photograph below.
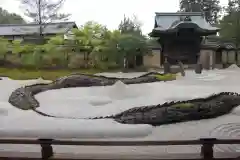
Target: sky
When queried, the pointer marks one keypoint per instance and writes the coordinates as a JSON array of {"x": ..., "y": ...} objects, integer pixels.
[{"x": 110, "y": 12}]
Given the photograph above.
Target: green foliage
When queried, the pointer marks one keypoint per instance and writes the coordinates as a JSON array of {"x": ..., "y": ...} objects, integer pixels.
[
  {"x": 89, "y": 36},
  {"x": 3, "y": 47},
  {"x": 10, "y": 18},
  {"x": 25, "y": 74},
  {"x": 28, "y": 48},
  {"x": 233, "y": 6},
  {"x": 230, "y": 23},
  {"x": 27, "y": 60},
  {"x": 92, "y": 46},
  {"x": 166, "y": 77},
  {"x": 57, "y": 40},
  {"x": 107, "y": 50},
  {"x": 210, "y": 8},
  {"x": 16, "y": 47},
  {"x": 130, "y": 25},
  {"x": 132, "y": 44}
]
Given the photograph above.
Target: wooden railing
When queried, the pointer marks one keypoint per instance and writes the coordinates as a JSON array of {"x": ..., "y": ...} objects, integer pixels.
[{"x": 47, "y": 150}]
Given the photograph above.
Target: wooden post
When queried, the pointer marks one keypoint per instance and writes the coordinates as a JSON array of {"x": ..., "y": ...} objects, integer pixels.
[
  {"x": 46, "y": 148},
  {"x": 207, "y": 148}
]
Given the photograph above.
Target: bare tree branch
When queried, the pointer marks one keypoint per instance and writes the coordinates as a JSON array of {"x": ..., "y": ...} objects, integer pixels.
[{"x": 44, "y": 11}]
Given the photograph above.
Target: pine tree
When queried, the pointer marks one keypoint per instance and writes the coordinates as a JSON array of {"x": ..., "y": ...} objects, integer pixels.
[
  {"x": 210, "y": 8},
  {"x": 10, "y": 18}
]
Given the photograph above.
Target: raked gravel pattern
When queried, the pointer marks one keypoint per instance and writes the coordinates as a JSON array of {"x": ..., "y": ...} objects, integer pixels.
[{"x": 78, "y": 103}]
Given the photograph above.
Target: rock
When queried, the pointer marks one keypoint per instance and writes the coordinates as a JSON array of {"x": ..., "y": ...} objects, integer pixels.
[
  {"x": 155, "y": 115},
  {"x": 202, "y": 108},
  {"x": 198, "y": 68},
  {"x": 181, "y": 67},
  {"x": 23, "y": 98},
  {"x": 167, "y": 68},
  {"x": 80, "y": 81}
]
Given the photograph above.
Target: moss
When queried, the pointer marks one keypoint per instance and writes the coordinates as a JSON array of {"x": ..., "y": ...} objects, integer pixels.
[
  {"x": 183, "y": 105},
  {"x": 24, "y": 74},
  {"x": 166, "y": 77}
]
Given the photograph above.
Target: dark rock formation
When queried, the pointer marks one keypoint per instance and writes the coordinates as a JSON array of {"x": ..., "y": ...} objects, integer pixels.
[
  {"x": 202, "y": 108},
  {"x": 181, "y": 67},
  {"x": 23, "y": 98},
  {"x": 170, "y": 112},
  {"x": 198, "y": 68},
  {"x": 167, "y": 67},
  {"x": 174, "y": 112}
]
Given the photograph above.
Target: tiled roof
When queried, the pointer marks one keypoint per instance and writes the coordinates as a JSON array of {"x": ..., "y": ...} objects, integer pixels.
[
  {"x": 170, "y": 21},
  {"x": 217, "y": 42},
  {"x": 29, "y": 29}
]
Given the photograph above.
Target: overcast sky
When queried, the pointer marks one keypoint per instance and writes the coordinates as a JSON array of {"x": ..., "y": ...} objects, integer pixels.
[{"x": 111, "y": 12}]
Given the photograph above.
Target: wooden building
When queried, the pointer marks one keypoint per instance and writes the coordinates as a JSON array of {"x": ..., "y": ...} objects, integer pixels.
[
  {"x": 221, "y": 53},
  {"x": 181, "y": 36},
  {"x": 29, "y": 32}
]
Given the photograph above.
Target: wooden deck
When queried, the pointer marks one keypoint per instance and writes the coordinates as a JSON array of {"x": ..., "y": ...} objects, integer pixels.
[
  {"x": 154, "y": 156},
  {"x": 92, "y": 150}
]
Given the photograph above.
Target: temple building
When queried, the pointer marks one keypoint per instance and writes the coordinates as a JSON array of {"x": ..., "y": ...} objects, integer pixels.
[{"x": 188, "y": 37}]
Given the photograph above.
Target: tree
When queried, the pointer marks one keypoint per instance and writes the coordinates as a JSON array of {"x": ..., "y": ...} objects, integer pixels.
[
  {"x": 131, "y": 43},
  {"x": 131, "y": 46},
  {"x": 89, "y": 38},
  {"x": 4, "y": 48},
  {"x": 230, "y": 23},
  {"x": 233, "y": 6},
  {"x": 44, "y": 11},
  {"x": 130, "y": 25},
  {"x": 190, "y": 6},
  {"x": 56, "y": 53},
  {"x": 210, "y": 8},
  {"x": 23, "y": 52},
  {"x": 105, "y": 53},
  {"x": 10, "y": 18}
]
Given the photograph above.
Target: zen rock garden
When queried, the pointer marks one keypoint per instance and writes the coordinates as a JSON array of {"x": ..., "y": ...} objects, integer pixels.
[
  {"x": 172, "y": 53},
  {"x": 160, "y": 114}
]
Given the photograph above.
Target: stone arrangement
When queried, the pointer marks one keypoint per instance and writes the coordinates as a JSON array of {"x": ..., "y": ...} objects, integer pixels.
[
  {"x": 23, "y": 98},
  {"x": 167, "y": 113},
  {"x": 174, "y": 112}
]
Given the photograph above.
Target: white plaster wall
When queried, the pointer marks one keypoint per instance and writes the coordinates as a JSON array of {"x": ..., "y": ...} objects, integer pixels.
[
  {"x": 231, "y": 57},
  {"x": 205, "y": 58},
  {"x": 153, "y": 60},
  {"x": 224, "y": 57}
]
